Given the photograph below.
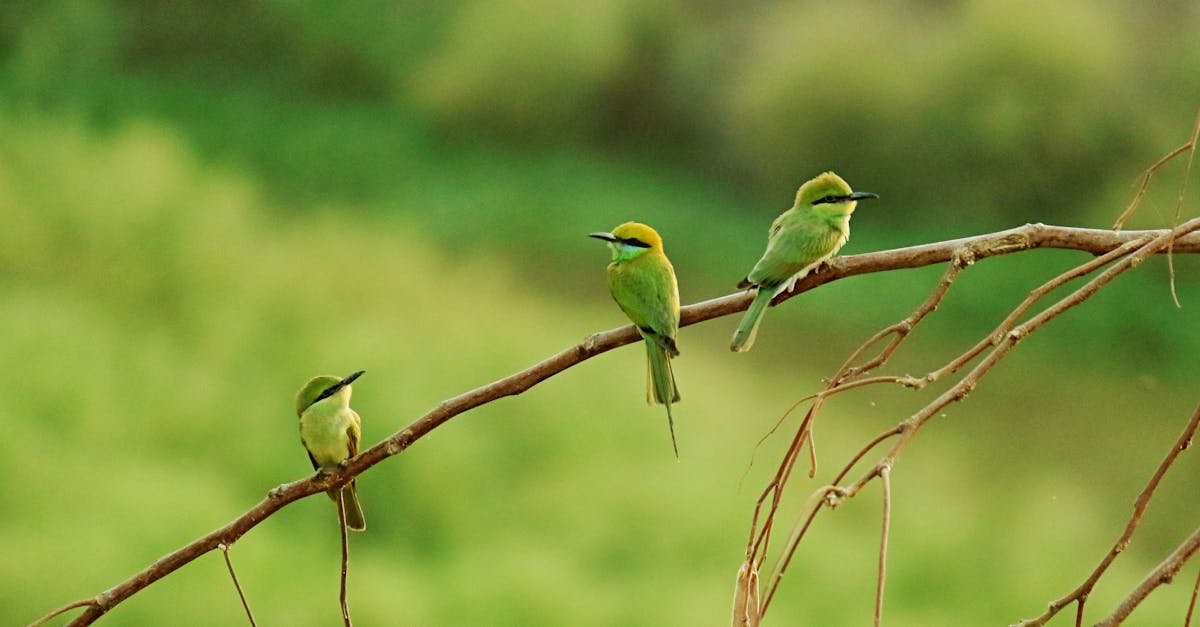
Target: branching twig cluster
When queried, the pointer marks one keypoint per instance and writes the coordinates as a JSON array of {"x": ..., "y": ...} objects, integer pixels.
[
  {"x": 997, "y": 345},
  {"x": 960, "y": 251}
]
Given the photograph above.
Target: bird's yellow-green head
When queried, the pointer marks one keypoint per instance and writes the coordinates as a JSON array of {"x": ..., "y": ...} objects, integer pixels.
[
  {"x": 630, "y": 240},
  {"x": 325, "y": 386},
  {"x": 829, "y": 191}
]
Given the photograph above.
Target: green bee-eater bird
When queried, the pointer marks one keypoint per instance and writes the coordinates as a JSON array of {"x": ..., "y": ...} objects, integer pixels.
[
  {"x": 330, "y": 431},
  {"x": 800, "y": 239},
  {"x": 642, "y": 282}
]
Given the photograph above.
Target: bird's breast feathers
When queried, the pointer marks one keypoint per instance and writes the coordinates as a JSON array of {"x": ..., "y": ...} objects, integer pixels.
[{"x": 324, "y": 434}]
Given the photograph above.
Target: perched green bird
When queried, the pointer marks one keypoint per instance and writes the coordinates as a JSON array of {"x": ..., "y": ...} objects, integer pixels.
[
  {"x": 800, "y": 239},
  {"x": 642, "y": 282},
  {"x": 330, "y": 431}
]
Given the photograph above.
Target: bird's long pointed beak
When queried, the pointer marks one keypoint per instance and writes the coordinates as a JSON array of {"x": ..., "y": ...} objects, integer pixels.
[
  {"x": 350, "y": 379},
  {"x": 862, "y": 195},
  {"x": 604, "y": 235},
  {"x": 337, "y": 387}
]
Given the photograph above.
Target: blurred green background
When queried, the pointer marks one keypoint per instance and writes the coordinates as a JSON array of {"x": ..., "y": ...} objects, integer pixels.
[{"x": 205, "y": 203}]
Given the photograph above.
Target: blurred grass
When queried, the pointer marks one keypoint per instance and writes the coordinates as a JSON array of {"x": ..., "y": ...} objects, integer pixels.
[{"x": 205, "y": 204}]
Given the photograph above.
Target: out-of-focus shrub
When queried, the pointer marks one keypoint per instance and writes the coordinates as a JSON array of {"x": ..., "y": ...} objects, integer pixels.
[
  {"x": 532, "y": 68},
  {"x": 1021, "y": 104}
]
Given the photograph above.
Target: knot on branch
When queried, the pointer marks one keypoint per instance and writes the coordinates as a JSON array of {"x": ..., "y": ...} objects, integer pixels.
[
  {"x": 965, "y": 390},
  {"x": 964, "y": 257},
  {"x": 834, "y": 496},
  {"x": 103, "y": 600}
]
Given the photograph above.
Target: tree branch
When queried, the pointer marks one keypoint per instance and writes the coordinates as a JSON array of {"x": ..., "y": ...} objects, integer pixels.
[
  {"x": 1001, "y": 341},
  {"x": 1164, "y": 573},
  {"x": 1080, "y": 594},
  {"x": 1029, "y": 236}
]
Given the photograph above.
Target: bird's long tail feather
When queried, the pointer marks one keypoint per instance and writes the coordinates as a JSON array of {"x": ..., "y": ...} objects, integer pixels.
[
  {"x": 743, "y": 337},
  {"x": 661, "y": 386},
  {"x": 354, "y": 513}
]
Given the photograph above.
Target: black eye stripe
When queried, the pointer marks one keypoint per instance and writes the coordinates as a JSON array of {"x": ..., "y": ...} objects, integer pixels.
[
  {"x": 633, "y": 241},
  {"x": 831, "y": 199},
  {"x": 329, "y": 391}
]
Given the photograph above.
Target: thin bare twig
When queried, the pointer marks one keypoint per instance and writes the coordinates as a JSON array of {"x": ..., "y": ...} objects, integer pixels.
[
  {"x": 885, "y": 475},
  {"x": 1021, "y": 238},
  {"x": 1081, "y": 593},
  {"x": 341, "y": 508},
  {"x": 60, "y": 611},
  {"x": 1187, "y": 171},
  {"x": 1187, "y": 620},
  {"x": 1164, "y": 573},
  {"x": 232, "y": 575},
  {"x": 1144, "y": 185}
]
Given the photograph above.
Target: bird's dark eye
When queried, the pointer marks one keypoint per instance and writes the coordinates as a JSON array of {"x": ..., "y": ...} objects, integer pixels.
[
  {"x": 827, "y": 199},
  {"x": 633, "y": 241}
]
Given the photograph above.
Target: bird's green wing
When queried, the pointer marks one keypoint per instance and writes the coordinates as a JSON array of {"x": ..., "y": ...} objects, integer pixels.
[
  {"x": 796, "y": 242},
  {"x": 353, "y": 434}
]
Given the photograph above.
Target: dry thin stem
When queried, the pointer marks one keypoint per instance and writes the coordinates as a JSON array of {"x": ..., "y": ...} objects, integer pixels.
[
  {"x": 900, "y": 331},
  {"x": 1187, "y": 171},
  {"x": 885, "y": 475},
  {"x": 1187, "y": 620},
  {"x": 760, "y": 539},
  {"x": 745, "y": 597},
  {"x": 1013, "y": 240},
  {"x": 757, "y": 543},
  {"x": 1144, "y": 185},
  {"x": 232, "y": 575},
  {"x": 909, "y": 427},
  {"x": 823, "y": 496},
  {"x": 60, "y": 611},
  {"x": 341, "y": 503},
  {"x": 879, "y": 439},
  {"x": 1081, "y": 593},
  {"x": 1163, "y": 574}
]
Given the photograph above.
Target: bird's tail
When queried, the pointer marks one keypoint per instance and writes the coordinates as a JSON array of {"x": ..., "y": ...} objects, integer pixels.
[
  {"x": 661, "y": 385},
  {"x": 743, "y": 337},
  {"x": 354, "y": 513}
]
